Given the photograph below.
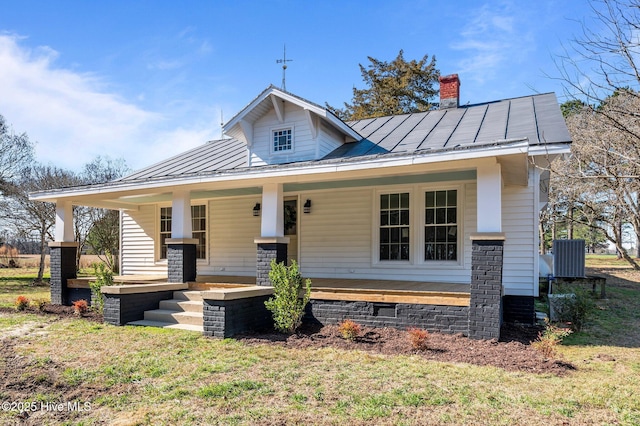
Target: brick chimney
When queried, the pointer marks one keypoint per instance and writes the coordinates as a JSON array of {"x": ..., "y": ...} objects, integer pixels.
[{"x": 449, "y": 91}]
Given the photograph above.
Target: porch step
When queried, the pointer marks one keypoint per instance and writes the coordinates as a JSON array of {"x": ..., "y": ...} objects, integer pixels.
[
  {"x": 184, "y": 311},
  {"x": 148, "y": 323},
  {"x": 192, "y": 295},
  {"x": 175, "y": 317},
  {"x": 181, "y": 305}
]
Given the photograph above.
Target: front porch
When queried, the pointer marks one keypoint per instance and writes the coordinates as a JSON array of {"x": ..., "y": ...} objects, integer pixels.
[
  {"x": 355, "y": 290},
  {"x": 235, "y": 304}
]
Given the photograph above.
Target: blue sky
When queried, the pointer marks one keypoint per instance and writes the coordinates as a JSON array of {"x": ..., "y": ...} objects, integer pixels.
[{"x": 144, "y": 80}]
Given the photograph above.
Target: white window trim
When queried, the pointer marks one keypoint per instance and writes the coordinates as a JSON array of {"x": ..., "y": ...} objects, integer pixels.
[
  {"x": 375, "y": 249},
  {"x": 293, "y": 140},
  {"x": 460, "y": 224},
  {"x": 416, "y": 227},
  {"x": 158, "y": 247}
]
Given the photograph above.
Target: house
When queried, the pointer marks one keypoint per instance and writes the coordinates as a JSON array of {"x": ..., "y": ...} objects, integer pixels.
[{"x": 427, "y": 219}]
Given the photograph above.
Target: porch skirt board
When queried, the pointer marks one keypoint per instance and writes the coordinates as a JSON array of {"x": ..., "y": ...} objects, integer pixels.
[{"x": 445, "y": 319}]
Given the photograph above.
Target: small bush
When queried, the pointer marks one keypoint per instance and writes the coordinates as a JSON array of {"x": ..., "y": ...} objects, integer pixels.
[
  {"x": 21, "y": 303},
  {"x": 350, "y": 330},
  {"x": 577, "y": 309},
  {"x": 39, "y": 304},
  {"x": 287, "y": 304},
  {"x": 80, "y": 307},
  {"x": 549, "y": 339},
  {"x": 104, "y": 277},
  {"x": 418, "y": 338}
]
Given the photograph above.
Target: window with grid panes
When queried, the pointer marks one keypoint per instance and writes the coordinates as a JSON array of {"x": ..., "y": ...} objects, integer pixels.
[
  {"x": 198, "y": 229},
  {"x": 394, "y": 226},
  {"x": 441, "y": 225},
  {"x": 282, "y": 140}
]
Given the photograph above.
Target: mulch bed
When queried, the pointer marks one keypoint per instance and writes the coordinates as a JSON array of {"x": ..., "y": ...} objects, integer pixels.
[
  {"x": 513, "y": 352},
  {"x": 59, "y": 311}
]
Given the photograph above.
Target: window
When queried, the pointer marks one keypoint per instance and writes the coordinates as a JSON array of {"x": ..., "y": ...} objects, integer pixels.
[
  {"x": 165, "y": 230},
  {"x": 282, "y": 140},
  {"x": 198, "y": 228},
  {"x": 441, "y": 225},
  {"x": 394, "y": 226}
]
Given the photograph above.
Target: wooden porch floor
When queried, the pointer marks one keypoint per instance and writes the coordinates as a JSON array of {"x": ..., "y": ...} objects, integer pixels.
[
  {"x": 383, "y": 291},
  {"x": 387, "y": 291}
]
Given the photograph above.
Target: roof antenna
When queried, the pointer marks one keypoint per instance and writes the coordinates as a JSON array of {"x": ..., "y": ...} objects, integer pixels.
[
  {"x": 284, "y": 61},
  {"x": 221, "y": 125}
]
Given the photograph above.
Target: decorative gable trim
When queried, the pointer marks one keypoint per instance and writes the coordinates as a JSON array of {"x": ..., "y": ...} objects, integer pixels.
[
  {"x": 271, "y": 98},
  {"x": 278, "y": 106},
  {"x": 313, "y": 123}
]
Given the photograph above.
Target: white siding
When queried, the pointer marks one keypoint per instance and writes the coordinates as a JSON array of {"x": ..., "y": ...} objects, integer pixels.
[
  {"x": 304, "y": 146},
  {"x": 519, "y": 220},
  {"x": 337, "y": 239},
  {"x": 138, "y": 234},
  {"x": 232, "y": 230}
]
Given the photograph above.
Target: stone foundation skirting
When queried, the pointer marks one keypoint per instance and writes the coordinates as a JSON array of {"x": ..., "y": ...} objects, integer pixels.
[
  {"x": 120, "y": 309},
  {"x": 226, "y": 318},
  {"x": 518, "y": 309},
  {"x": 445, "y": 319}
]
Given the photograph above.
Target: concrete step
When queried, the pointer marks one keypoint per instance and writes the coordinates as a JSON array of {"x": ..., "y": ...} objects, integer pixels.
[
  {"x": 181, "y": 305},
  {"x": 174, "y": 317},
  {"x": 161, "y": 324},
  {"x": 194, "y": 296}
]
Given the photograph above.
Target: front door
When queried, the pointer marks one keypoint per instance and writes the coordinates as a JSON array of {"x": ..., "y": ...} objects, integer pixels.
[{"x": 291, "y": 228}]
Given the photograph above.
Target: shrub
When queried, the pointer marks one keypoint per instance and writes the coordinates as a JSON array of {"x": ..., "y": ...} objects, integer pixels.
[
  {"x": 418, "y": 338},
  {"x": 350, "y": 330},
  {"x": 39, "y": 304},
  {"x": 576, "y": 309},
  {"x": 21, "y": 303},
  {"x": 548, "y": 339},
  {"x": 80, "y": 307},
  {"x": 104, "y": 277},
  {"x": 287, "y": 305}
]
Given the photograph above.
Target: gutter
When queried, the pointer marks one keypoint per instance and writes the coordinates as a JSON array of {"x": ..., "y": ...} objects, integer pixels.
[{"x": 497, "y": 149}]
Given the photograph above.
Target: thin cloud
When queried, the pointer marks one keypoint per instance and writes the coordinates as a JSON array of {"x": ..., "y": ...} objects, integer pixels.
[
  {"x": 492, "y": 37},
  {"x": 73, "y": 117}
]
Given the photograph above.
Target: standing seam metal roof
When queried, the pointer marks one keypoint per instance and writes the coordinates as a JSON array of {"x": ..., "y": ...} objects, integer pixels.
[{"x": 536, "y": 118}]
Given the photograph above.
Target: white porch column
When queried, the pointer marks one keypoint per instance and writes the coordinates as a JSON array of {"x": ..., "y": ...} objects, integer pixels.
[
  {"x": 64, "y": 221},
  {"x": 489, "y": 193},
  {"x": 63, "y": 254},
  {"x": 181, "y": 247},
  {"x": 272, "y": 224},
  {"x": 181, "y": 215}
]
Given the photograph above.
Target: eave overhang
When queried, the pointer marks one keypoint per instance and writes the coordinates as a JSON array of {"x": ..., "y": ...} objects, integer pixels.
[{"x": 513, "y": 155}]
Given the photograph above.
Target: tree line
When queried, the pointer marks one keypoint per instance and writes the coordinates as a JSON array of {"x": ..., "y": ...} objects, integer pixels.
[{"x": 96, "y": 230}]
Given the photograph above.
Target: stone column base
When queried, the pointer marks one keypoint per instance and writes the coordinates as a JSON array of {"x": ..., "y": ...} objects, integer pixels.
[
  {"x": 269, "y": 248},
  {"x": 63, "y": 267},
  {"x": 485, "y": 308},
  {"x": 181, "y": 260}
]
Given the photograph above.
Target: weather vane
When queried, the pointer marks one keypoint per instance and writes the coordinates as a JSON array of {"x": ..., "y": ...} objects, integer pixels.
[{"x": 284, "y": 61}]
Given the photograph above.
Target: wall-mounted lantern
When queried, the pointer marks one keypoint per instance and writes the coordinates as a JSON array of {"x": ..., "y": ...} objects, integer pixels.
[
  {"x": 256, "y": 209},
  {"x": 307, "y": 207}
]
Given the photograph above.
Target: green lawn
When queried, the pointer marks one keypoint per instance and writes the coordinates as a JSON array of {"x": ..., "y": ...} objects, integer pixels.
[{"x": 151, "y": 376}]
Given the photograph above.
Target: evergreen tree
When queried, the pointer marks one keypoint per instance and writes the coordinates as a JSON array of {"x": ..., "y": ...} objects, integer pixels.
[{"x": 396, "y": 87}]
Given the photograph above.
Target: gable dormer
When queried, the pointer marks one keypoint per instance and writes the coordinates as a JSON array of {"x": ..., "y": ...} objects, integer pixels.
[{"x": 279, "y": 127}]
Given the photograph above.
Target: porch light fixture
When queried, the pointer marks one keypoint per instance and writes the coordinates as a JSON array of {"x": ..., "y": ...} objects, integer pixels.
[
  {"x": 256, "y": 209},
  {"x": 307, "y": 207}
]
